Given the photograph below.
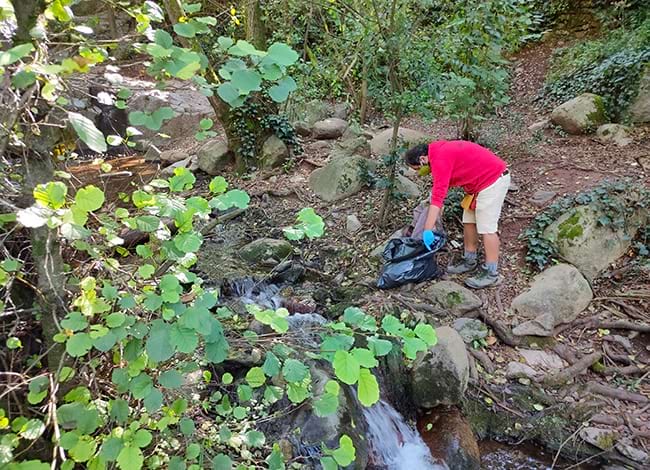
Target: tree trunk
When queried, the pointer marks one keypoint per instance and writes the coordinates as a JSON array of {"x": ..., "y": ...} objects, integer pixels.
[
  {"x": 385, "y": 205},
  {"x": 255, "y": 29}
]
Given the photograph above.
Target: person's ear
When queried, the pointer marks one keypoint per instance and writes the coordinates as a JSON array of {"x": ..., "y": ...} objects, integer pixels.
[{"x": 424, "y": 160}]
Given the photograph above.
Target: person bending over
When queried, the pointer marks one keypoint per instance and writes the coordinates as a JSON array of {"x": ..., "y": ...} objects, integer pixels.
[{"x": 485, "y": 179}]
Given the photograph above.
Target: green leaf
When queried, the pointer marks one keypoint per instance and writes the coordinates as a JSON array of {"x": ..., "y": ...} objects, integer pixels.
[
  {"x": 187, "y": 427},
  {"x": 87, "y": 132},
  {"x": 327, "y": 404},
  {"x": 328, "y": 463},
  {"x": 78, "y": 344},
  {"x": 51, "y": 194},
  {"x": 206, "y": 123},
  {"x": 111, "y": 448},
  {"x": 182, "y": 180},
  {"x": 255, "y": 439},
  {"x": 119, "y": 410},
  {"x": 224, "y": 42},
  {"x": 246, "y": 81},
  {"x": 171, "y": 379},
  {"x": 14, "y": 343},
  {"x": 141, "y": 386},
  {"x": 346, "y": 367},
  {"x": 243, "y": 48},
  {"x": 158, "y": 346},
  {"x": 15, "y": 53},
  {"x": 282, "y": 54},
  {"x": 228, "y": 92},
  {"x": 297, "y": 392},
  {"x": 142, "y": 438},
  {"x": 153, "y": 401},
  {"x": 170, "y": 288},
  {"x": 368, "y": 388},
  {"x": 346, "y": 453},
  {"x": 184, "y": 339},
  {"x": 84, "y": 449},
  {"x": 294, "y": 370},
  {"x": 188, "y": 242},
  {"x": 426, "y": 333},
  {"x": 392, "y": 325},
  {"x": 412, "y": 346},
  {"x": 115, "y": 320},
  {"x": 75, "y": 321},
  {"x": 218, "y": 185},
  {"x": 255, "y": 377},
  {"x": 239, "y": 412},
  {"x": 221, "y": 462},
  {"x": 147, "y": 223},
  {"x": 271, "y": 366},
  {"x": 130, "y": 458},
  {"x": 187, "y": 30},
  {"x": 32, "y": 429},
  {"x": 365, "y": 357},
  {"x": 227, "y": 378},
  {"x": 233, "y": 198},
  {"x": 379, "y": 347},
  {"x": 163, "y": 39}
]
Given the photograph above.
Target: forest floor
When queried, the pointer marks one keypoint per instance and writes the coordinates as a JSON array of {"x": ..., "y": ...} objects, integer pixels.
[{"x": 543, "y": 160}]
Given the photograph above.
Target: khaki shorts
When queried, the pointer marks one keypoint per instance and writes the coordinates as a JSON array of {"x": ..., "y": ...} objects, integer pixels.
[{"x": 488, "y": 206}]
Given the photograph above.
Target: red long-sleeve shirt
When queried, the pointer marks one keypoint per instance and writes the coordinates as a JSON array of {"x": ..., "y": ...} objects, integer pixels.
[{"x": 461, "y": 163}]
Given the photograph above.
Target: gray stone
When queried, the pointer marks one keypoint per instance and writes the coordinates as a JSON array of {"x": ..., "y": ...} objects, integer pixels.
[
  {"x": 313, "y": 111},
  {"x": 339, "y": 179},
  {"x": 440, "y": 374},
  {"x": 518, "y": 370},
  {"x": 542, "y": 359},
  {"x": 581, "y": 115},
  {"x": 274, "y": 152},
  {"x": 602, "y": 438},
  {"x": 639, "y": 110},
  {"x": 539, "y": 125},
  {"x": 541, "y": 198},
  {"x": 330, "y": 128},
  {"x": 453, "y": 297},
  {"x": 616, "y": 133},
  {"x": 152, "y": 154},
  {"x": 625, "y": 447},
  {"x": 264, "y": 249},
  {"x": 341, "y": 110},
  {"x": 302, "y": 128},
  {"x": 173, "y": 155},
  {"x": 588, "y": 245},
  {"x": 556, "y": 296},
  {"x": 191, "y": 163},
  {"x": 353, "y": 224},
  {"x": 381, "y": 143},
  {"x": 214, "y": 157},
  {"x": 470, "y": 329},
  {"x": 348, "y": 147},
  {"x": 406, "y": 187}
]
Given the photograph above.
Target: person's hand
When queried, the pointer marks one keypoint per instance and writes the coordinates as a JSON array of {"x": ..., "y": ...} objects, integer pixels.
[{"x": 429, "y": 238}]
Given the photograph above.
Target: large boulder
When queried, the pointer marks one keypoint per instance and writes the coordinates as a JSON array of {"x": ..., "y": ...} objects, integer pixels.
[
  {"x": 440, "y": 374},
  {"x": 381, "y": 143},
  {"x": 616, "y": 133},
  {"x": 266, "y": 249},
  {"x": 453, "y": 297},
  {"x": 349, "y": 147},
  {"x": 274, "y": 152},
  {"x": 330, "y": 128},
  {"x": 450, "y": 438},
  {"x": 556, "y": 296},
  {"x": 172, "y": 155},
  {"x": 340, "y": 178},
  {"x": 581, "y": 115},
  {"x": 406, "y": 187},
  {"x": 470, "y": 329},
  {"x": 311, "y": 112},
  {"x": 587, "y": 244},
  {"x": 214, "y": 157},
  {"x": 639, "y": 110}
]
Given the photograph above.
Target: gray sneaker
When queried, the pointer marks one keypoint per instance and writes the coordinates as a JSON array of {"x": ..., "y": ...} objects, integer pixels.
[
  {"x": 465, "y": 266},
  {"x": 483, "y": 279}
]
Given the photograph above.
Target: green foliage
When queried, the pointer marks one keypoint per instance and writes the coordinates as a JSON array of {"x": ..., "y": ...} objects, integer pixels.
[
  {"x": 616, "y": 200},
  {"x": 309, "y": 224},
  {"x": 609, "y": 66}
]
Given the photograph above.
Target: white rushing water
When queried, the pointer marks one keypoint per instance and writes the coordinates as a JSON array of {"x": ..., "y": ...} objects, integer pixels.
[{"x": 394, "y": 444}]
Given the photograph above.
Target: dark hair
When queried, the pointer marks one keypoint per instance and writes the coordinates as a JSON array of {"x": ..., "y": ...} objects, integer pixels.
[{"x": 412, "y": 155}]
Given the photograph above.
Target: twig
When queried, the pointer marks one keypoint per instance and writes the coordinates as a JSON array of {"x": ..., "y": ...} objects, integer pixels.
[
  {"x": 574, "y": 370},
  {"x": 559, "y": 450},
  {"x": 483, "y": 358}
]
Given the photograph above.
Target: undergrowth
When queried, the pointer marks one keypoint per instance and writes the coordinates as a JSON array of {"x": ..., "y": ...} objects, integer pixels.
[{"x": 614, "y": 201}]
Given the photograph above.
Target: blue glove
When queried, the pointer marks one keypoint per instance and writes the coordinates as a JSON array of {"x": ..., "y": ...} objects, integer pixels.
[{"x": 429, "y": 238}]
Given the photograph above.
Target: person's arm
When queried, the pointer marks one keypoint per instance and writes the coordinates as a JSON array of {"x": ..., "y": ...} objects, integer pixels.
[
  {"x": 432, "y": 217},
  {"x": 441, "y": 175}
]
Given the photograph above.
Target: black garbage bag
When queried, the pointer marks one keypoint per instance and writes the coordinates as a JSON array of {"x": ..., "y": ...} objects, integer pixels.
[{"x": 407, "y": 260}]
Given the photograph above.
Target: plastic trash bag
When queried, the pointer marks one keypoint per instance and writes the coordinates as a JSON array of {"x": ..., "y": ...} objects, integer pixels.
[{"x": 407, "y": 260}]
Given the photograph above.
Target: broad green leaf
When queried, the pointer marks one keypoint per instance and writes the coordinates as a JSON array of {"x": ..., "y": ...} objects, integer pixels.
[
  {"x": 163, "y": 39},
  {"x": 297, "y": 392},
  {"x": 243, "y": 48},
  {"x": 224, "y": 42},
  {"x": 255, "y": 377},
  {"x": 218, "y": 185},
  {"x": 142, "y": 438},
  {"x": 346, "y": 453},
  {"x": 153, "y": 401},
  {"x": 294, "y": 370},
  {"x": 147, "y": 223},
  {"x": 221, "y": 462},
  {"x": 255, "y": 439},
  {"x": 184, "y": 339},
  {"x": 368, "y": 388},
  {"x": 246, "y": 81},
  {"x": 282, "y": 54},
  {"x": 365, "y": 357},
  {"x": 426, "y": 333},
  {"x": 75, "y": 321},
  {"x": 228, "y": 92},
  {"x": 227, "y": 378},
  {"x": 111, "y": 448},
  {"x": 119, "y": 410},
  {"x": 187, "y": 30},
  {"x": 171, "y": 379},
  {"x": 412, "y": 346},
  {"x": 14, "y": 54},
  {"x": 391, "y": 325},
  {"x": 115, "y": 320},
  {"x": 188, "y": 242},
  {"x": 187, "y": 426},
  {"x": 326, "y": 405},
  {"x": 130, "y": 458},
  {"x": 141, "y": 386},
  {"x": 87, "y": 132},
  {"x": 206, "y": 123},
  {"x": 51, "y": 194},
  {"x": 78, "y": 344},
  {"x": 158, "y": 346},
  {"x": 271, "y": 366},
  {"x": 32, "y": 429},
  {"x": 170, "y": 288},
  {"x": 346, "y": 367},
  {"x": 379, "y": 347},
  {"x": 84, "y": 449},
  {"x": 89, "y": 198},
  {"x": 146, "y": 271},
  {"x": 328, "y": 463}
]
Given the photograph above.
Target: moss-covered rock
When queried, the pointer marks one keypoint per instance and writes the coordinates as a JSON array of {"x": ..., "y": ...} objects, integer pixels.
[
  {"x": 266, "y": 249},
  {"x": 581, "y": 115},
  {"x": 453, "y": 297}
]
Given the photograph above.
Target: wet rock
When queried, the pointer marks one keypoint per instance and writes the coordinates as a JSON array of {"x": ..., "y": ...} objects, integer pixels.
[
  {"x": 330, "y": 128},
  {"x": 581, "y": 115},
  {"x": 264, "y": 249},
  {"x": 453, "y": 297},
  {"x": 470, "y": 329},
  {"x": 542, "y": 359},
  {"x": 541, "y": 198},
  {"x": 173, "y": 155},
  {"x": 556, "y": 296},
  {"x": 639, "y": 110},
  {"x": 274, "y": 152},
  {"x": 406, "y": 187},
  {"x": 587, "y": 244},
  {"x": 602, "y": 438},
  {"x": 440, "y": 374},
  {"x": 353, "y": 224},
  {"x": 450, "y": 438},
  {"x": 616, "y": 133},
  {"x": 381, "y": 143},
  {"x": 349, "y": 147},
  {"x": 152, "y": 154},
  {"x": 191, "y": 163},
  {"x": 518, "y": 370},
  {"x": 341, "y": 110},
  {"x": 340, "y": 178},
  {"x": 539, "y": 125},
  {"x": 214, "y": 157}
]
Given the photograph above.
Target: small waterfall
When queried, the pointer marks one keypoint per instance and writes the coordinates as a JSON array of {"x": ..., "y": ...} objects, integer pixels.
[
  {"x": 250, "y": 291},
  {"x": 394, "y": 445}
]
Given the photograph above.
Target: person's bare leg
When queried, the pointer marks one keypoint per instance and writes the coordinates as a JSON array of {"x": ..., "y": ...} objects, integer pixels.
[
  {"x": 470, "y": 238},
  {"x": 491, "y": 245}
]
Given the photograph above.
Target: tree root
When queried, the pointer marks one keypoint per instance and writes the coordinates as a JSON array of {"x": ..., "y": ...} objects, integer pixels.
[
  {"x": 503, "y": 331},
  {"x": 617, "y": 393},
  {"x": 483, "y": 358},
  {"x": 572, "y": 371}
]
